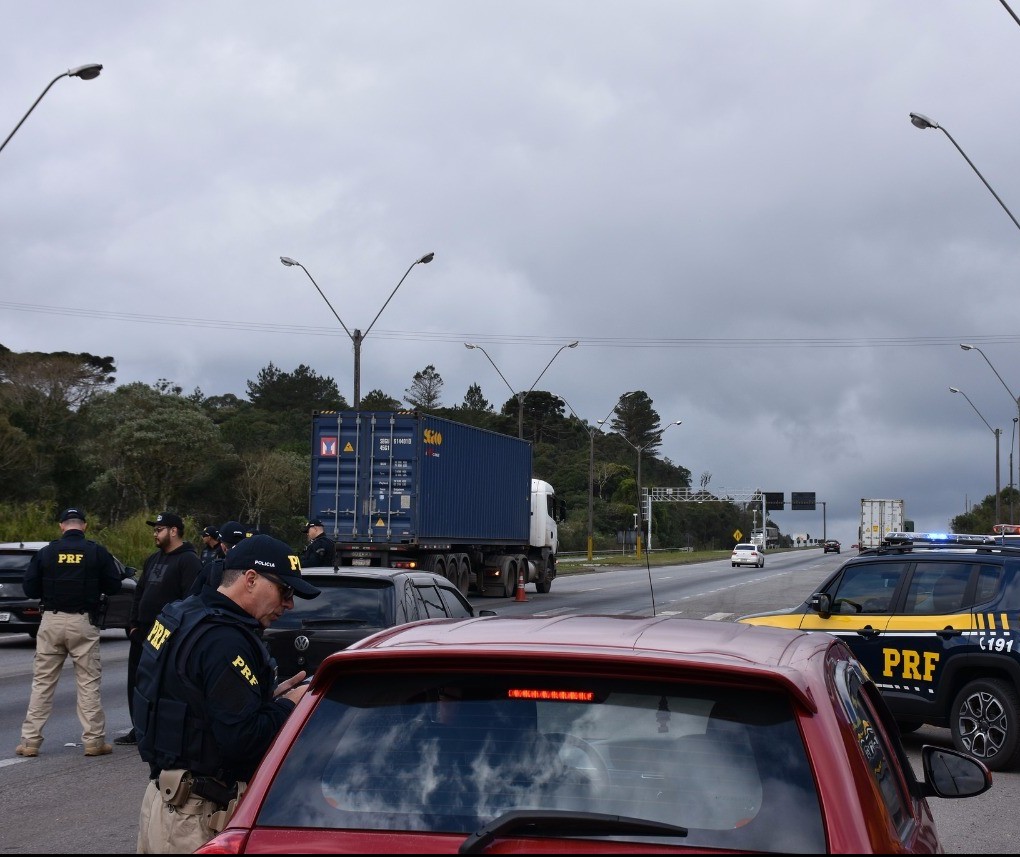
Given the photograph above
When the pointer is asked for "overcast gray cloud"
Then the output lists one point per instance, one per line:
(723, 200)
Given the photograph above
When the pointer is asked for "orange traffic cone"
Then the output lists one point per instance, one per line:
(520, 585)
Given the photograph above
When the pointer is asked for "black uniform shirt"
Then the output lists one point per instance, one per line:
(71, 573)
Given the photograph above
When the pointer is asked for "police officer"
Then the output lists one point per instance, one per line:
(321, 549)
(230, 534)
(167, 575)
(211, 549)
(69, 576)
(207, 705)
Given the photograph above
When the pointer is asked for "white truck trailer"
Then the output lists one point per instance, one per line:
(879, 517)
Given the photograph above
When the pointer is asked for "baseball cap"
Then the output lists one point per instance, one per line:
(168, 519)
(71, 514)
(212, 532)
(233, 532)
(315, 522)
(264, 553)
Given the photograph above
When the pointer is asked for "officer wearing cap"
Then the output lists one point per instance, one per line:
(211, 549)
(230, 534)
(69, 576)
(167, 575)
(207, 705)
(321, 549)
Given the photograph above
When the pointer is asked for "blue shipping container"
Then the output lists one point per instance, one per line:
(400, 477)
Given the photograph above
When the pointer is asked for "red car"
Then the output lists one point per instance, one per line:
(593, 734)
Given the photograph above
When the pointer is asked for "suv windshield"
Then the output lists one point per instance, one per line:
(442, 752)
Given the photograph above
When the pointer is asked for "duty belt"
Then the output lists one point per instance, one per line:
(214, 790)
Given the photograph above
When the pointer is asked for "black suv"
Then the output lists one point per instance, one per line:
(831, 546)
(935, 619)
(356, 602)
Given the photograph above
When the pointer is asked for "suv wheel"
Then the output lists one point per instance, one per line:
(984, 722)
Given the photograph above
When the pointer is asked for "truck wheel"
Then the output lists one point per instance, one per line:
(463, 580)
(439, 566)
(508, 567)
(545, 578)
(984, 722)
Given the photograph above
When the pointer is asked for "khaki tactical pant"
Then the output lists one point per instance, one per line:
(62, 635)
(173, 821)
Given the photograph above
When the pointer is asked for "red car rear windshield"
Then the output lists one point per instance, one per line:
(422, 752)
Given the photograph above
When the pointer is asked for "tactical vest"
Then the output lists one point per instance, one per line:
(168, 709)
(70, 575)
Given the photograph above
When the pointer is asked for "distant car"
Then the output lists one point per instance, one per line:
(356, 602)
(21, 615)
(747, 554)
(593, 734)
(831, 546)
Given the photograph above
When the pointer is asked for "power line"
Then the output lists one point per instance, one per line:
(513, 339)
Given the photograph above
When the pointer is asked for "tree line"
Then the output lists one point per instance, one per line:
(69, 435)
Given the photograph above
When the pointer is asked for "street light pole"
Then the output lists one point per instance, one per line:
(918, 120)
(357, 337)
(592, 431)
(997, 433)
(640, 449)
(83, 72)
(1016, 402)
(521, 396)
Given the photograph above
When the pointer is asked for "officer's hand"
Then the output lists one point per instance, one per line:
(285, 686)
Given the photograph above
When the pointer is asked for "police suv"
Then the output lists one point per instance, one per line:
(935, 619)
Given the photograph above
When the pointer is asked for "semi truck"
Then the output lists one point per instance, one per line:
(879, 517)
(767, 539)
(404, 489)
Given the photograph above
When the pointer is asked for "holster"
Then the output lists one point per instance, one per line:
(214, 790)
(219, 819)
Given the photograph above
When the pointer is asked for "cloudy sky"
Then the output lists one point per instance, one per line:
(723, 200)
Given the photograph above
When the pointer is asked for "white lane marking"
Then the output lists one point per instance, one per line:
(5, 762)
(716, 617)
(558, 611)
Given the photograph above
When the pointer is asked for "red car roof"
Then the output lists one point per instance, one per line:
(751, 651)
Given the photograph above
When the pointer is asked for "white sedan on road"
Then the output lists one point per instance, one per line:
(747, 554)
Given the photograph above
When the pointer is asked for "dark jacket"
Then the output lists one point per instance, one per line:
(320, 551)
(204, 690)
(165, 577)
(210, 554)
(71, 574)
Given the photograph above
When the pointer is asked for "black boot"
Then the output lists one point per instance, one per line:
(129, 738)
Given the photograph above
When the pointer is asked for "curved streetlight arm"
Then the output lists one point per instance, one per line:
(424, 260)
(967, 347)
(997, 433)
(471, 345)
(976, 411)
(85, 72)
(573, 344)
(293, 263)
(921, 121)
(1011, 12)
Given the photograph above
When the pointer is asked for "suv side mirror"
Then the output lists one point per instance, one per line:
(821, 603)
(127, 572)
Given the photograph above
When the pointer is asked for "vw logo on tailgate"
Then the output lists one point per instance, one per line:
(301, 643)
